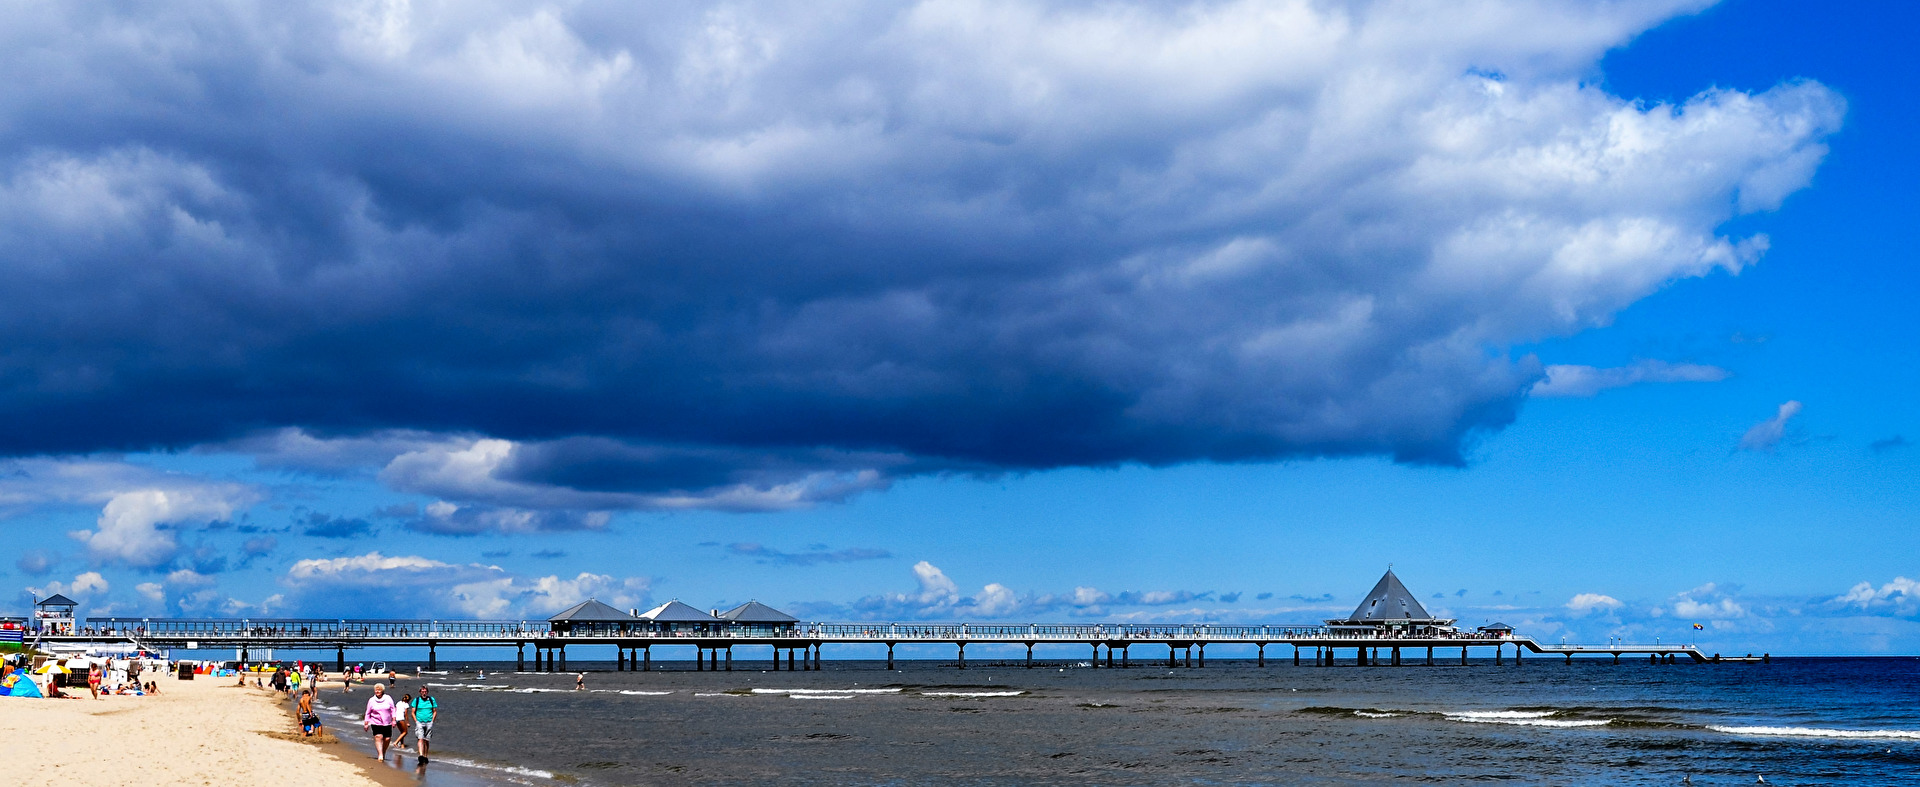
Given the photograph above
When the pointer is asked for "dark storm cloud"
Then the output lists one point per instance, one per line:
(758, 256)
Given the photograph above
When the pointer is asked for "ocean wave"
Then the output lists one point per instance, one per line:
(1535, 722)
(509, 769)
(640, 693)
(971, 693)
(1818, 732)
(1498, 715)
(826, 691)
(718, 694)
(821, 696)
(1365, 714)
(465, 685)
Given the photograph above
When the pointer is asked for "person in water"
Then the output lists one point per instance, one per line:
(379, 720)
(425, 708)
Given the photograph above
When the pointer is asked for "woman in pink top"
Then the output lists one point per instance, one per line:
(379, 719)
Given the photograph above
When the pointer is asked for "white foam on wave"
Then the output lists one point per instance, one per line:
(798, 692)
(641, 693)
(821, 696)
(1372, 715)
(464, 686)
(511, 769)
(717, 694)
(1495, 715)
(971, 693)
(1818, 732)
(1537, 722)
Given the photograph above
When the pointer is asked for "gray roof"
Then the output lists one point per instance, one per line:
(1496, 627)
(57, 600)
(676, 612)
(591, 611)
(756, 612)
(1390, 600)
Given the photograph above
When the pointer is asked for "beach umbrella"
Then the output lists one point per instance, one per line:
(51, 668)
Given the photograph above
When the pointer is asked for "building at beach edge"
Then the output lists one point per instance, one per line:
(1390, 610)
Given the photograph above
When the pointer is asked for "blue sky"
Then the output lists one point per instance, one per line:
(1590, 319)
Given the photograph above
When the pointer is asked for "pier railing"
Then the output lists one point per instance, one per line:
(373, 630)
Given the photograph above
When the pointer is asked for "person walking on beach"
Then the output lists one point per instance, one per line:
(425, 708)
(93, 680)
(379, 720)
(580, 682)
(401, 710)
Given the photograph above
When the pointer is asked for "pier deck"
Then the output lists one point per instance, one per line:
(803, 642)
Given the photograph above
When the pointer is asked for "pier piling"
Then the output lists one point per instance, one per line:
(890, 656)
(1029, 655)
(963, 655)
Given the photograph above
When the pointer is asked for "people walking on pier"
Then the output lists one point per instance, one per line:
(378, 720)
(425, 709)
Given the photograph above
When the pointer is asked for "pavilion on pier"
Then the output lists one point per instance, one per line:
(1391, 610)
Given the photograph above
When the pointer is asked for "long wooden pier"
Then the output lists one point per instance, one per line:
(1110, 645)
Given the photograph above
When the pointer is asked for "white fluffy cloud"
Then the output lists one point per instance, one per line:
(139, 506)
(414, 586)
(1589, 603)
(1767, 434)
(938, 597)
(1901, 596)
(1572, 380)
(131, 528)
(83, 587)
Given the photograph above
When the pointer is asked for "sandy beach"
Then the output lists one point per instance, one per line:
(199, 732)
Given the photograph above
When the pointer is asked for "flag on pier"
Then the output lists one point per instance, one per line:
(1698, 627)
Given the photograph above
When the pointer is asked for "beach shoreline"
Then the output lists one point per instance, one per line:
(196, 732)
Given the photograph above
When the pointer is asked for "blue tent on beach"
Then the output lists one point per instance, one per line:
(19, 684)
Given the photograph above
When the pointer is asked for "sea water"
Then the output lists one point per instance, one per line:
(1794, 721)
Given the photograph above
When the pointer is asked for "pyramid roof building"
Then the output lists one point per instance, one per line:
(676, 612)
(57, 600)
(1389, 602)
(756, 612)
(591, 611)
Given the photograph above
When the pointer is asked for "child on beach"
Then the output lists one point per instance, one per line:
(309, 721)
(400, 711)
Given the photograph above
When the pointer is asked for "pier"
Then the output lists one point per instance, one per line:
(803, 648)
(1389, 628)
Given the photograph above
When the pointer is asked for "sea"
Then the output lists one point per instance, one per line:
(1794, 721)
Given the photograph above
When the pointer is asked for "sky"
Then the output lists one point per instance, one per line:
(1593, 319)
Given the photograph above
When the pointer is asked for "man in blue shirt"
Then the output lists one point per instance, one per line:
(425, 708)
